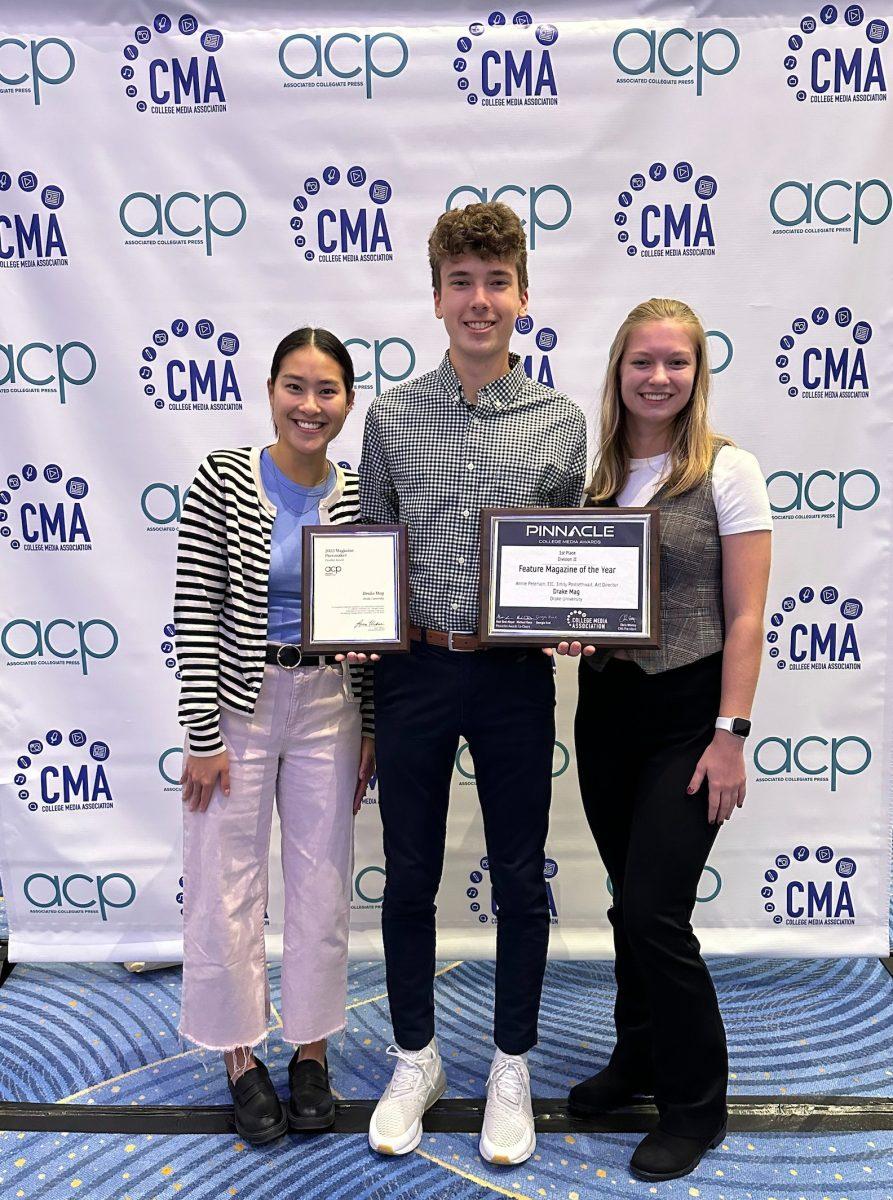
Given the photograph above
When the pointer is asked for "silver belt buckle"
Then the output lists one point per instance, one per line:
(288, 666)
(458, 649)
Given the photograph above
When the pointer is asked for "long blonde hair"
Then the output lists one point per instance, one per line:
(691, 450)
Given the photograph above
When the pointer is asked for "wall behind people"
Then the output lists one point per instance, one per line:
(180, 189)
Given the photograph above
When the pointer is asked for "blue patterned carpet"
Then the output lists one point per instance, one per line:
(100, 1035)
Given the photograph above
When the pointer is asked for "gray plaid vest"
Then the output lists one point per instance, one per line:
(691, 612)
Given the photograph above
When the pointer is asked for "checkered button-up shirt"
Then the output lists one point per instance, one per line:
(432, 461)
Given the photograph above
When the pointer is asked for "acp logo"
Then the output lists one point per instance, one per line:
(30, 231)
(350, 224)
(536, 352)
(26, 67)
(152, 219)
(811, 759)
(807, 208)
(561, 760)
(38, 367)
(380, 363)
(368, 887)
(542, 208)
(342, 60)
(834, 72)
(59, 641)
(487, 912)
(666, 221)
(71, 778)
(79, 894)
(676, 56)
(802, 888)
(168, 650)
(179, 74)
(186, 375)
(170, 768)
(33, 515)
(507, 62)
(803, 638)
(822, 495)
(828, 360)
(720, 349)
(162, 505)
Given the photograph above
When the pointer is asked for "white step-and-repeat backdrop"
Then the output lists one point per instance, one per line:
(180, 188)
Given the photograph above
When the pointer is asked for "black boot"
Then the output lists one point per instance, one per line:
(310, 1104)
(258, 1112)
(662, 1155)
(603, 1093)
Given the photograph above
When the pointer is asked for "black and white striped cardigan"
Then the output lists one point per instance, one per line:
(221, 599)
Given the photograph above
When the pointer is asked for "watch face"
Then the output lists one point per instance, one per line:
(740, 727)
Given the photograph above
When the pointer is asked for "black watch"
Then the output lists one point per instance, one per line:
(740, 726)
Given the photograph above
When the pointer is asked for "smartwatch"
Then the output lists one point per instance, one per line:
(740, 726)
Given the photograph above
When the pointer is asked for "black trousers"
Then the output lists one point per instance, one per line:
(503, 703)
(638, 740)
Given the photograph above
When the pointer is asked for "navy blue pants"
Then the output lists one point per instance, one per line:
(638, 740)
(502, 702)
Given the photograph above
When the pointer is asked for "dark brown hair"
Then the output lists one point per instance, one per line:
(487, 230)
(324, 341)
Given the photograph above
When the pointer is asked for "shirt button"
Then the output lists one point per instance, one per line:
(464, 512)
(471, 466)
(460, 560)
(454, 605)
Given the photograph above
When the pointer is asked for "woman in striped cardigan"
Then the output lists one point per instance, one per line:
(263, 720)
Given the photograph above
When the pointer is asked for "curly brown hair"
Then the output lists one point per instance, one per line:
(486, 230)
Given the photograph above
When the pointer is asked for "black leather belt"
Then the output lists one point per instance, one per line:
(290, 657)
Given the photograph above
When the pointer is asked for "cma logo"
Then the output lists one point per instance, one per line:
(656, 225)
(517, 74)
(835, 73)
(825, 760)
(162, 503)
(70, 787)
(489, 912)
(815, 640)
(152, 219)
(32, 234)
(49, 523)
(676, 55)
(805, 207)
(709, 885)
(186, 372)
(41, 366)
(347, 231)
(390, 360)
(97, 894)
(465, 765)
(48, 62)
(78, 642)
(537, 362)
(824, 371)
(368, 885)
(832, 494)
(542, 209)
(810, 901)
(178, 81)
(312, 60)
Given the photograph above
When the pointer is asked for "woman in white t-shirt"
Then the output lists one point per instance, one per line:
(660, 731)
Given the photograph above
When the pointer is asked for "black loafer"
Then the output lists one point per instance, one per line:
(310, 1105)
(603, 1093)
(661, 1156)
(257, 1109)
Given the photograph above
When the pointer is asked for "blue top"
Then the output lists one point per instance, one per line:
(296, 507)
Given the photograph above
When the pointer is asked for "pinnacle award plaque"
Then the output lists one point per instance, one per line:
(354, 589)
(589, 575)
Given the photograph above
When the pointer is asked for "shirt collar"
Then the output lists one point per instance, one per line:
(500, 393)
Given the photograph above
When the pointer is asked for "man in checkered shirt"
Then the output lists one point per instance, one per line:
(474, 433)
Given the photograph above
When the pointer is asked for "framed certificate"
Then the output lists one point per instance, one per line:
(570, 574)
(354, 589)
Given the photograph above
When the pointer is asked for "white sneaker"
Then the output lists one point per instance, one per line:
(508, 1135)
(417, 1083)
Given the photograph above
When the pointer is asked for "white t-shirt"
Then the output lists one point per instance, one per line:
(739, 490)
